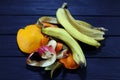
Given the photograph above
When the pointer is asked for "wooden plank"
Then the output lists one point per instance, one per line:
(45, 7)
(102, 63)
(8, 46)
(15, 68)
(109, 47)
(10, 24)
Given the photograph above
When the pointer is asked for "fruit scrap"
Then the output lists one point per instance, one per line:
(46, 52)
(30, 38)
(56, 45)
(45, 24)
(67, 22)
(47, 19)
(69, 62)
(64, 36)
(48, 55)
(59, 47)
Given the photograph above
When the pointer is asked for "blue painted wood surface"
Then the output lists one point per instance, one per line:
(102, 64)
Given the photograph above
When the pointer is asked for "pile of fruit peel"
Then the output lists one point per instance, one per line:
(55, 40)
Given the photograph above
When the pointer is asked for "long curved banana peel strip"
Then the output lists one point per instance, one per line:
(84, 27)
(63, 35)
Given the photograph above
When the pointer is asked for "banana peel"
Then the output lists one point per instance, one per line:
(84, 27)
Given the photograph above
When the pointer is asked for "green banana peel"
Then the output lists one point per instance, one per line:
(56, 66)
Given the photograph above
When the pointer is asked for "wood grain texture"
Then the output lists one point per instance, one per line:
(97, 69)
(11, 24)
(45, 7)
(102, 63)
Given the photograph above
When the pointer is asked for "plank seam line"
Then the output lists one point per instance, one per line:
(86, 57)
(12, 34)
(54, 15)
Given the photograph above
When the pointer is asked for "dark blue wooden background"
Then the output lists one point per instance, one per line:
(102, 64)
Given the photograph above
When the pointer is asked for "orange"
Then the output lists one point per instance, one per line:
(30, 38)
